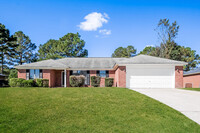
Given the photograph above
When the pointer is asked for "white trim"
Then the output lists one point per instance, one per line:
(152, 64)
(174, 77)
(62, 79)
(65, 78)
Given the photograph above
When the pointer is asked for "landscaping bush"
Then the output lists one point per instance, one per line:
(13, 82)
(20, 82)
(95, 81)
(13, 74)
(109, 82)
(77, 81)
(28, 83)
(39, 82)
(16, 82)
(45, 82)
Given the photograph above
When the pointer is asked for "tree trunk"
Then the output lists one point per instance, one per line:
(20, 59)
(2, 64)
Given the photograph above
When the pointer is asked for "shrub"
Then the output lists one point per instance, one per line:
(16, 82)
(13, 82)
(28, 83)
(13, 74)
(77, 81)
(20, 82)
(39, 82)
(95, 81)
(109, 82)
(45, 82)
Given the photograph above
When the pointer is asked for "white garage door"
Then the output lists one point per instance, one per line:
(148, 76)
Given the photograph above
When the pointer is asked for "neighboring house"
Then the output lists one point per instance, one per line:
(191, 79)
(141, 71)
(3, 77)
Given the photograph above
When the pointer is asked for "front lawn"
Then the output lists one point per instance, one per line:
(192, 89)
(87, 110)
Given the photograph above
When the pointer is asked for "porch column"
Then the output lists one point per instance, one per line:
(65, 78)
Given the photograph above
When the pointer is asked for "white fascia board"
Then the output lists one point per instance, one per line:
(151, 64)
(55, 68)
(90, 69)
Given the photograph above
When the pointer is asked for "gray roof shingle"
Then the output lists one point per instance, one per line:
(47, 64)
(194, 71)
(96, 63)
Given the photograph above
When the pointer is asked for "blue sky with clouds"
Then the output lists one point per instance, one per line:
(103, 24)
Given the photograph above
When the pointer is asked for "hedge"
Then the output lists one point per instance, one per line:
(39, 82)
(45, 82)
(77, 81)
(95, 81)
(28, 83)
(109, 82)
(17, 82)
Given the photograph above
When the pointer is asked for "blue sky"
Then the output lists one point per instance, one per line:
(108, 24)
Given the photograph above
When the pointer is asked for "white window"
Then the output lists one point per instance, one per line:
(102, 74)
(34, 73)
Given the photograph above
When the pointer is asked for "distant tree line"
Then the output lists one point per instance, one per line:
(18, 48)
(168, 48)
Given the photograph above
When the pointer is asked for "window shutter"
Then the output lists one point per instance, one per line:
(97, 73)
(27, 74)
(88, 77)
(41, 74)
(107, 74)
(71, 72)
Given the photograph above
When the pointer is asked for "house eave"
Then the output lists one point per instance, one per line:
(191, 74)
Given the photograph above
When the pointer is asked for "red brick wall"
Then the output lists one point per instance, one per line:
(102, 82)
(179, 77)
(22, 73)
(120, 76)
(193, 79)
(112, 75)
(54, 77)
(46, 75)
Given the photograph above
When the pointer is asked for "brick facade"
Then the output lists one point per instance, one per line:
(54, 77)
(179, 77)
(120, 77)
(193, 80)
(22, 73)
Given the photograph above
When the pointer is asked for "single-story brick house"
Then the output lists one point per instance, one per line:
(191, 79)
(141, 71)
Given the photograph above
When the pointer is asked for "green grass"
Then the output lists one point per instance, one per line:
(192, 89)
(87, 110)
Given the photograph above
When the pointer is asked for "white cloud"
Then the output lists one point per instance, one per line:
(105, 32)
(149, 46)
(93, 21)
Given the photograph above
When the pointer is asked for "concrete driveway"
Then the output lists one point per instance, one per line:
(185, 101)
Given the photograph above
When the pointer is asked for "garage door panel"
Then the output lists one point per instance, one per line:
(152, 77)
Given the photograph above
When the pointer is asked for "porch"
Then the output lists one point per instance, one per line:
(60, 78)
